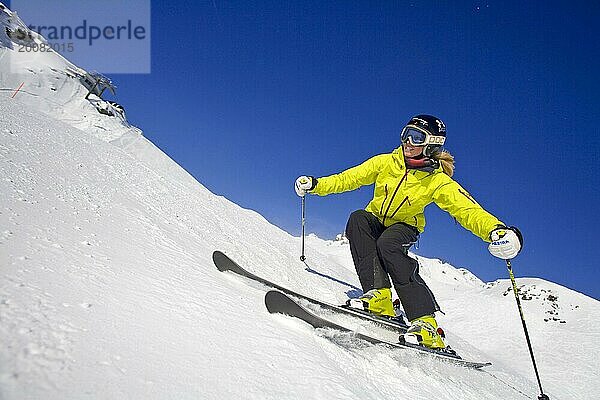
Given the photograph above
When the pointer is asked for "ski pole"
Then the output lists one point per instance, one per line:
(542, 396)
(302, 257)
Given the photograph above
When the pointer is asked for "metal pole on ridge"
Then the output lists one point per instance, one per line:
(302, 257)
(542, 396)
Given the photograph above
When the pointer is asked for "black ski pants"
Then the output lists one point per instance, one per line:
(378, 251)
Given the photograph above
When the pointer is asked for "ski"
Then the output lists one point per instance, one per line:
(224, 263)
(278, 302)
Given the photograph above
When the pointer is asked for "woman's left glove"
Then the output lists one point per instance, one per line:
(506, 242)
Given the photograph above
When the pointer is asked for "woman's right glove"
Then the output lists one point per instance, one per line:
(305, 184)
(506, 242)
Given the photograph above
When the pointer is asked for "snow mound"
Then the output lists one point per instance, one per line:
(51, 84)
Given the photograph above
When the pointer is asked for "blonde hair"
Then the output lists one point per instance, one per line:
(446, 161)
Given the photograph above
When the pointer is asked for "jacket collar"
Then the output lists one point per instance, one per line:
(399, 161)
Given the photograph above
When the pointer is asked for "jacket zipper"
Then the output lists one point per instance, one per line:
(467, 196)
(384, 199)
(394, 195)
(397, 208)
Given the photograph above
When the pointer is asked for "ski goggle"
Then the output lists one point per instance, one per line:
(419, 137)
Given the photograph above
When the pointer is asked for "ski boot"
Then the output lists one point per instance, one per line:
(424, 331)
(378, 302)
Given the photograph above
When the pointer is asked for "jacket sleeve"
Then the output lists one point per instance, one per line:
(352, 178)
(451, 197)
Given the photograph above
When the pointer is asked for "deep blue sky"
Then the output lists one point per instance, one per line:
(246, 96)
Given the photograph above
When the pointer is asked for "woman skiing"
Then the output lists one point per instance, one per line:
(414, 175)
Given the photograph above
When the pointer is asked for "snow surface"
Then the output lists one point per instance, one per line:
(108, 291)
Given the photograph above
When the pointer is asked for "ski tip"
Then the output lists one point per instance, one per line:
(219, 257)
(273, 297)
(221, 261)
(216, 254)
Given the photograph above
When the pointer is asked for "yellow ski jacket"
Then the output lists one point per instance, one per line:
(402, 194)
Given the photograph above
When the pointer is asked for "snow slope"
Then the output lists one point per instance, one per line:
(107, 288)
